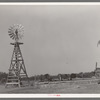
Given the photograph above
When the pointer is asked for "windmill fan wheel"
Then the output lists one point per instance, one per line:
(16, 32)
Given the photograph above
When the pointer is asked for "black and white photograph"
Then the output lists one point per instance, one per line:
(50, 48)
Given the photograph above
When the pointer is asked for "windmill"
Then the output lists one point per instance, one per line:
(17, 75)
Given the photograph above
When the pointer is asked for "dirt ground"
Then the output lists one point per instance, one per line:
(79, 87)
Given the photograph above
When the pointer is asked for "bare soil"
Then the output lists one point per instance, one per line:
(77, 86)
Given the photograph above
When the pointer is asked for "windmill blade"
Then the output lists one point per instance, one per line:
(9, 30)
(11, 27)
(21, 29)
(20, 26)
(14, 25)
(12, 36)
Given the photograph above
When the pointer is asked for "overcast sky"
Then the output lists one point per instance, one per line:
(57, 39)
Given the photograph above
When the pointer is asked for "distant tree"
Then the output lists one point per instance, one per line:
(47, 77)
(69, 76)
(89, 74)
(37, 77)
(42, 78)
(32, 78)
(3, 80)
(3, 77)
(73, 75)
(66, 76)
(80, 75)
(61, 77)
(92, 73)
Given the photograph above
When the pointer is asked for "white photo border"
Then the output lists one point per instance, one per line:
(49, 95)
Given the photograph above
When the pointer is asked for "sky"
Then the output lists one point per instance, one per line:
(57, 38)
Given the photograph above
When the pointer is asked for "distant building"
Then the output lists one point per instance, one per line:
(97, 71)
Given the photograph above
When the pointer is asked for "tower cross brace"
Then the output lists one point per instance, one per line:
(17, 72)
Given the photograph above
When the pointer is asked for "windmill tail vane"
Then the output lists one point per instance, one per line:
(98, 43)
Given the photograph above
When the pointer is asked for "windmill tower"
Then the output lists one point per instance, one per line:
(17, 75)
